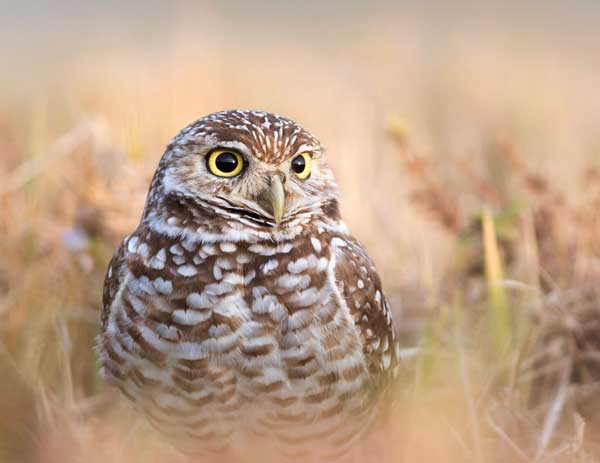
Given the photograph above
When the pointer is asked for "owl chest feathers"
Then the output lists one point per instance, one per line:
(264, 318)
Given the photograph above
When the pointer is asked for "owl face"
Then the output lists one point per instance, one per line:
(251, 166)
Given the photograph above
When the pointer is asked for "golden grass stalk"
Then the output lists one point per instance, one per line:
(500, 323)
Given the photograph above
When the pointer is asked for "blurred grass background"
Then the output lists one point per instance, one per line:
(466, 142)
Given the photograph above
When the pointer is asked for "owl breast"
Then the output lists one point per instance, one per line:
(221, 342)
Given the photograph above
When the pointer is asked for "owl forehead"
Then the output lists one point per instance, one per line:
(269, 137)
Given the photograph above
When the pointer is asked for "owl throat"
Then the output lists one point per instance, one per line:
(180, 216)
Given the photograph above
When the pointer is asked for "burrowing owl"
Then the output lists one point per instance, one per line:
(241, 309)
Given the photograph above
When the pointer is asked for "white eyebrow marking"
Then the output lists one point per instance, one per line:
(241, 147)
(305, 147)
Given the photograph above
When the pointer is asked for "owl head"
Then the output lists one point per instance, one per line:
(245, 169)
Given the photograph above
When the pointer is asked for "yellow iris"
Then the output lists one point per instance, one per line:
(225, 163)
(301, 165)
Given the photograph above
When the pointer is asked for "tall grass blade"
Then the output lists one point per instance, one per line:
(499, 312)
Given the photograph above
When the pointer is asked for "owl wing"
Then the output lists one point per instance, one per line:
(113, 280)
(360, 287)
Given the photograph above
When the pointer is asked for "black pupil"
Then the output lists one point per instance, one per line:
(298, 164)
(226, 162)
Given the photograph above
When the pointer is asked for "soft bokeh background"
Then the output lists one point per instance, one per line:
(465, 138)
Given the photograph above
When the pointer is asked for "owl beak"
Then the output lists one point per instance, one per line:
(273, 199)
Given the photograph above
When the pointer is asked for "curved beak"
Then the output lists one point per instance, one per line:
(273, 199)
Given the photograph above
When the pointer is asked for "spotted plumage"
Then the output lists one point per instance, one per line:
(241, 313)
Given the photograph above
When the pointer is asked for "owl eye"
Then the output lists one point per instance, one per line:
(224, 163)
(301, 165)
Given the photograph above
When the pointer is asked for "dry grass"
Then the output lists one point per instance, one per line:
(472, 177)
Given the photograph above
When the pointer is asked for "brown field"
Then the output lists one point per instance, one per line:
(467, 147)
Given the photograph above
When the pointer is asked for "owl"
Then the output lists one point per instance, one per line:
(241, 313)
